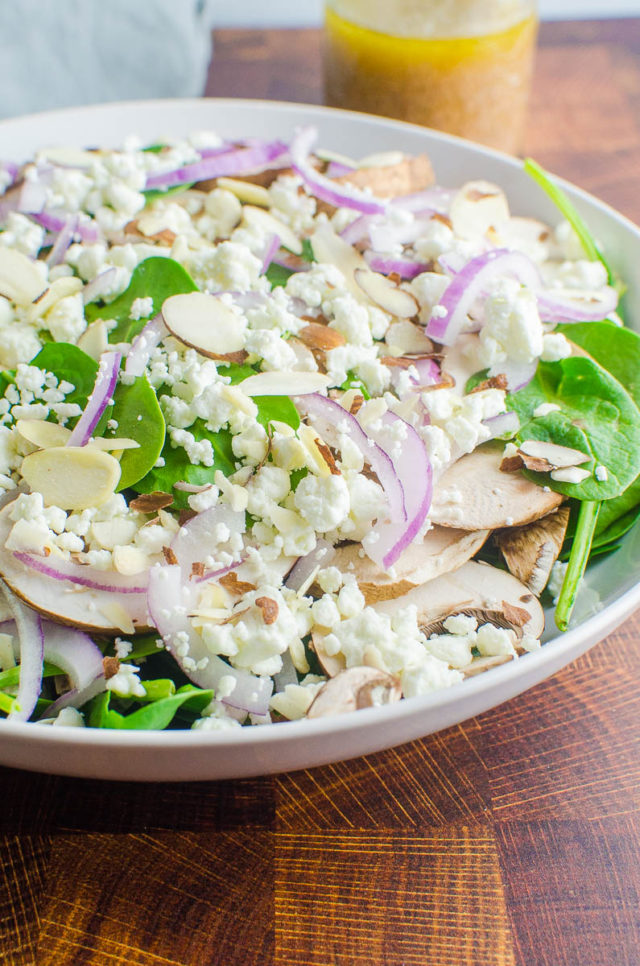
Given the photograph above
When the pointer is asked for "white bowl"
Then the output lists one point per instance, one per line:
(612, 592)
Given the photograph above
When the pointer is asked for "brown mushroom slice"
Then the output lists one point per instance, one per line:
(69, 603)
(481, 664)
(355, 688)
(490, 595)
(531, 551)
(474, 494)
(441, 551)
(331, 664)
(393, 180)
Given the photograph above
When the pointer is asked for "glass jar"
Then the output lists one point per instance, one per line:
(463, 66)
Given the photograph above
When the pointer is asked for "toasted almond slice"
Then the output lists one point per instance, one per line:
(205, 323)
(287, 383)
(556, 455)
(386, 294)
(478, 206)
(331, 249)
(62, 287)
(43, 434)
(570, 474)
(251, 194)
(20, 279)
(382, 159)
(317, 336)
(94, 340)
(130, 560)
(406, 338)
(267, 221)
(113, 443)
(72, 477)
(68, 157)
(269, 608)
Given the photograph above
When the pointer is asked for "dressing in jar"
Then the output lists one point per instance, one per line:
(462, 66)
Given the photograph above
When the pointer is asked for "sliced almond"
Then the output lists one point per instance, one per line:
(329, 248)
(119, 531)
(72, 477)
(570, 474)
(109, 444)
(477, 207)
(251, 194)
(205, 323)
(110, 666)
(284, 383)
(130, 560)
(317, 336)
(386, 294)
(406, 338)
(20, 279)
(151, 502)
(558, 456)
(42, 434)
(95, 339)
(59, 289)
(234, 585)
(269, 608)
(68, 157)
(268, 222)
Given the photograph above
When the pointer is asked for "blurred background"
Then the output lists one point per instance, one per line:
(57, 53)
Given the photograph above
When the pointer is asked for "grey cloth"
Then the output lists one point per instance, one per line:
(57, 53)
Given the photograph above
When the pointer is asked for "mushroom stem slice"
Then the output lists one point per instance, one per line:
(531, 551)
(355, 688)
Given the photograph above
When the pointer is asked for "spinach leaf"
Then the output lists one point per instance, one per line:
(177, 465)
(152, 193)
(276, 407)
(139, 417)
(157, 277)
(68, 362)
(597, 416)
(616, 348)
(307, 251)
(153, 717)
(278, 275)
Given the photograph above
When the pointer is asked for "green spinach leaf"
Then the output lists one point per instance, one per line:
(597, 416)
(154, 716)
(68, 362)
(157, 277)
(139, 417)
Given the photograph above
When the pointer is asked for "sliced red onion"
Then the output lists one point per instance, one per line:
(504, 424)
(62, 242)
(197, 539)
(84, 228)
(329, 418)
(340, 196)
(84, 575)
(10, 168)
(143, 345)
(99, 286)
(406, 268)
(470, 283)
(389, 539)
(31, 640)
(337, 169)
(555, 309)
(305, 566)
(81, 660)
(99, 399)
(357, 230)
(170, 601)
(518, 374)
(227, 164)
(273, 244)
(33, 196)
(435, 200)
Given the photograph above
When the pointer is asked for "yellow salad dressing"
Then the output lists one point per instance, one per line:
(469, 75)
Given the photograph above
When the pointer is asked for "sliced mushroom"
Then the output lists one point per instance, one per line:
(490, 595)
(531, 551)
(474, 493)
(331, 664)
(441, 551)
(66, 602)
(392, 180)
(481, 664)
(355, 688)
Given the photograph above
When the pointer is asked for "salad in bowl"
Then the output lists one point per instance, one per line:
(285, 434)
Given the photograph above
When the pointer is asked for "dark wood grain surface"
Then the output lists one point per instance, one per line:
(511, 840)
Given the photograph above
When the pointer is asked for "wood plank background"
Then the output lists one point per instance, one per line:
(511, 840)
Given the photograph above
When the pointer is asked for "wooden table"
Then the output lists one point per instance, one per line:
(511, 839)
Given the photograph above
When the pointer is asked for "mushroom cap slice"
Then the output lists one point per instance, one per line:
(442, 550)
(531, 551)
(490, 595)
(393, 180)
(475, 494)
(355, 688)
(69, 603)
